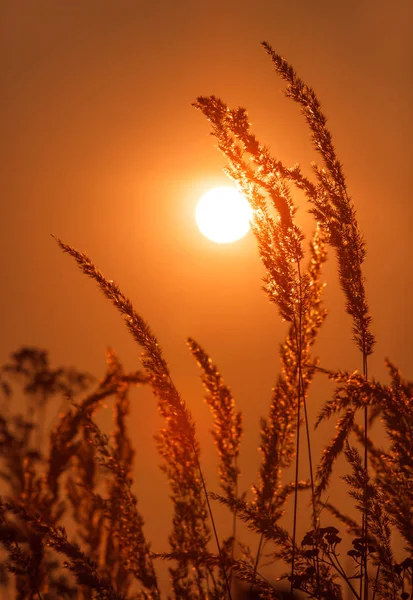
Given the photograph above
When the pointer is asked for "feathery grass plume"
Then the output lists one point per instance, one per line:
(278, 430)
(31, 368)
(84, 569)
(63, 444)
(259, 520)
(243, 570)
(353, 392)
(177, 443)
(397, 417)
(353, 389)
(394, 473)
(115, 556)
(261, 587)
(389, 490)
(190, 529)
(152, 358)
(23, 466)
(337, 214)
(380, 530)
(318, 581)
(81, 484)
(227, 422)
(19, 472)
(122, 445)
(379, 459)
(269, 515)
(124, 455)
(40, 493)
(334, 209)
(344, 427)
(279, 240)
(227, 428)
(378, 544)
(24, 564)
(128, 530)
(19, 562)
(31, 500)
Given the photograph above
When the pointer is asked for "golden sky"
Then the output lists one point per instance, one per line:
(100, 146)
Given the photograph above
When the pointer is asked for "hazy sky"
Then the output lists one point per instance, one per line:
(100, 146)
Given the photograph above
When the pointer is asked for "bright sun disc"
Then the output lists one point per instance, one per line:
(223, 215)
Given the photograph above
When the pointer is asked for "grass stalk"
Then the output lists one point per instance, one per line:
(234, 520)
(17, 546)
(301, 397)
(366, 467)
(380, 481)
(375, 582)
(211, 516)
(298, 336)
(339, 569)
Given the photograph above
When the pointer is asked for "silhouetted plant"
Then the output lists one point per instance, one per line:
(77, 475)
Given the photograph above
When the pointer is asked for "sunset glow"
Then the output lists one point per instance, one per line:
(223, 215)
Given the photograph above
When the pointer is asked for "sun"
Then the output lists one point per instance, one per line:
(223, 215)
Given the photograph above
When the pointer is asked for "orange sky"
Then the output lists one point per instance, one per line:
(102, 147)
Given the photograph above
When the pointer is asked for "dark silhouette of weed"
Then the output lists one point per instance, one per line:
(56, 476)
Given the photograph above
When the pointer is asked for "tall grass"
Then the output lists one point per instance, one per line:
(79, 475)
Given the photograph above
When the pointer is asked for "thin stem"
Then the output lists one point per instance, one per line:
(261, 542)
(307, 429)
(301, 395)
(234, 520)
(365, 522)
(315, 520)
(298, 337)
(211, 573)
(270, 585)
(221, 558)
(338, 567)
(211, 516)
(257, 560)
(296, 467)
(315, 523)
(361, 562)
(375, 582)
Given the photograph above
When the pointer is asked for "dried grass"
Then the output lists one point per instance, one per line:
(76, 473)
